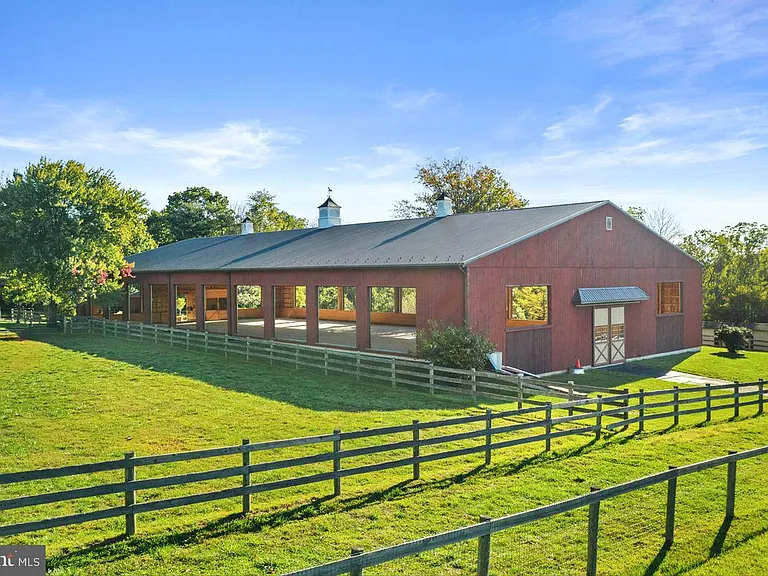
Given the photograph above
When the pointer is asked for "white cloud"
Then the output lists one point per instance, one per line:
(385, 161)
(688, 36)
(411, 100)
(55, 128)
(580, 118)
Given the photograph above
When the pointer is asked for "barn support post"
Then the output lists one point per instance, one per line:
(313, 315)
(200, 307)
(268, 308)
(363, 316)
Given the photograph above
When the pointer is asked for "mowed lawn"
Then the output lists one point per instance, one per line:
(67, 400)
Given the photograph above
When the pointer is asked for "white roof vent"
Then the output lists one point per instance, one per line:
(444, 206)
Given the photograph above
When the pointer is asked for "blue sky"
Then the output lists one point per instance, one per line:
(644, 103)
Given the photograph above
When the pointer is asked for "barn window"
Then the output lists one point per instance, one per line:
(609, 222)
(527, 306)
(669, 297)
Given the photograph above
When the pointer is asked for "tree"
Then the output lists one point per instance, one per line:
(472, 188)
(192, 213)
(263, 211)
(65, 232)
(660, 220)
(735, 278)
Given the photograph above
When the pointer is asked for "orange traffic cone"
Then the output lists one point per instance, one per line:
(578, 363)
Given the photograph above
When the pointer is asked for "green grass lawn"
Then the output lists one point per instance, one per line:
(66, 400)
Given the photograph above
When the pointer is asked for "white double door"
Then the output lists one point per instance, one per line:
(608, 335)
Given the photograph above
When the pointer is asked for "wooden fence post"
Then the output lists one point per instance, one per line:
(336, 463)
(676, 407)
(519, 392)
(416, 463)
(357, 366)
(325, 361)
(736, 399)
(431, 378)
(130, 495)
(760, 397)
(246, 477)
(669, 532)
(641, 411)
(599, 417)
(226, 345)
(548, 427)
(488, 433)
(484, 551)
(594, 522)
(155, 327)
(570, 396)
(626, 412)
(248, 349)
(730, 490)
(206, 340)
(271, 350)
(356, 571)
(393, 368)
(708, 399)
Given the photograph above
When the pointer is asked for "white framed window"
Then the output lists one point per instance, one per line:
(609, 222)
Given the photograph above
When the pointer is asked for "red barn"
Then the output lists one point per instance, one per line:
(551, 285)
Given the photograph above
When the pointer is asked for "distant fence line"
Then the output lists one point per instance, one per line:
(544, 424)
(758, 341)
(394, 370)
(482, 532)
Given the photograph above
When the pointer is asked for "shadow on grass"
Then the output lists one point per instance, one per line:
(730, 355)
(657, 560)
(719, 542)
(300, 387)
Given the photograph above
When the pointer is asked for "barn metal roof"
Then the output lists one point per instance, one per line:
(417, 242)
(613, 295)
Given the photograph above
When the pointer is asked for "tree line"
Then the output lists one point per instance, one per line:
(66, 232)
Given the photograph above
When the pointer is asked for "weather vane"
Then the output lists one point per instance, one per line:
(329, 191)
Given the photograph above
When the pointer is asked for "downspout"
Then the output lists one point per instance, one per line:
(465, 308)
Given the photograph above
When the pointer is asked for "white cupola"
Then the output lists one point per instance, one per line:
(444, 206)
(246, 226)
(330, 213)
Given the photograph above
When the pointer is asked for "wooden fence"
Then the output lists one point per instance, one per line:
(394, 370)
(489, 432)
(483, 530)
(759, 340)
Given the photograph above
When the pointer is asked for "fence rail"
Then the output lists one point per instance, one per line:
(394, 370)
(526, 425)
(482, 531)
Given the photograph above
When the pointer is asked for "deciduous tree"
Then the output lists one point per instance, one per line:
(65, 232)
(266, 216)
(735, 278)
(192, 213)
(471, 188)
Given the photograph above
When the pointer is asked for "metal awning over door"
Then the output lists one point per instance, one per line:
(607, 296)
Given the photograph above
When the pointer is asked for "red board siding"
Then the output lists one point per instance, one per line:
(582, 254)
(439, 291)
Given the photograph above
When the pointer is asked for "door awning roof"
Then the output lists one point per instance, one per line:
(613, 295)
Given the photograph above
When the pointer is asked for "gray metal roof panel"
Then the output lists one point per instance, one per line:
(611, 295)
(419, 242)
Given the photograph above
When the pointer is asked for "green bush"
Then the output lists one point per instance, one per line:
(453, 346)
(733, 337)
